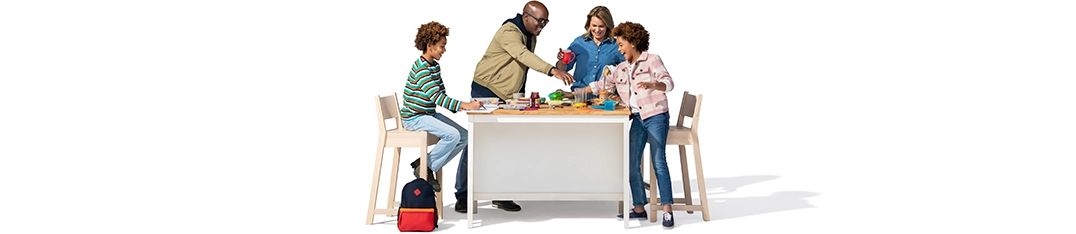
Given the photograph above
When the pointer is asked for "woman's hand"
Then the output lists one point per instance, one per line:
(566, 94)
(586, 89)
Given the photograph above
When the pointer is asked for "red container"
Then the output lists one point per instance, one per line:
(534, 100)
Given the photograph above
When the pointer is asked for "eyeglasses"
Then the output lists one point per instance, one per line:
(542, 22)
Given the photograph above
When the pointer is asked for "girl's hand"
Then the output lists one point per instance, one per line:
(648, 85)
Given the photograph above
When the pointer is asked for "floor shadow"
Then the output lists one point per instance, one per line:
(720, 208)
(735, 207)
(443, 226)
(534, 211)
(722, 185)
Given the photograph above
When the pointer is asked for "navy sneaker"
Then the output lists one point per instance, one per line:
(633, 215)
(667, 220)
(433, 181)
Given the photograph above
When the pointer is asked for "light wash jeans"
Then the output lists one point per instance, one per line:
(453, 137)
(655, 129)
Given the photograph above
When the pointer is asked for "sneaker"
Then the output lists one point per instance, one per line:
(414, 164)
(632, 215)
(507, 205)
(667, 220)
(461, 206)
(432, 180)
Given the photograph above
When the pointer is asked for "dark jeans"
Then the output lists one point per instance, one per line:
(477, 91)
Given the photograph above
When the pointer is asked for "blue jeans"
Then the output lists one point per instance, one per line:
(453, 137)
(656, 130)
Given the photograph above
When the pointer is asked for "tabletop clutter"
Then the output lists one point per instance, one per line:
(606, 100)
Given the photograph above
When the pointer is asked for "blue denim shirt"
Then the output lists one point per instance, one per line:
(591, 58)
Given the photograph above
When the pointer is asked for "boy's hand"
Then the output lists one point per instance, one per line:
(472, 105)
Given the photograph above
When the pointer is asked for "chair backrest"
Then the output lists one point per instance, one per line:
(388, 108)
(690, 106)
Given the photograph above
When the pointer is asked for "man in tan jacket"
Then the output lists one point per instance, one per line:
(503, 71)
(504, 67)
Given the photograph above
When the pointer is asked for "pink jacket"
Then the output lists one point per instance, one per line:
(649, 68)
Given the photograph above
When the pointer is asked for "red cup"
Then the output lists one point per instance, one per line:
(567, 56)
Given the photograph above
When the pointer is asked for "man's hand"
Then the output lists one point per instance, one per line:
(472, 105)
(563, 76)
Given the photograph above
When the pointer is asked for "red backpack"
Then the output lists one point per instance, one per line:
(418, 207)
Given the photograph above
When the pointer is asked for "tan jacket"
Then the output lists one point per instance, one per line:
(504, 65)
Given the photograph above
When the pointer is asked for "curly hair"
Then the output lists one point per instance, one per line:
(429, 33)
(633, 33)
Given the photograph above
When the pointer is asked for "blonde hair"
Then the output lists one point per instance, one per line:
(602, 13)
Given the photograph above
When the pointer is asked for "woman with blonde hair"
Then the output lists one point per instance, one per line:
(594, 50)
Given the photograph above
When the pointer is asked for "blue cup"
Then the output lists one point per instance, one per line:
(610, 105)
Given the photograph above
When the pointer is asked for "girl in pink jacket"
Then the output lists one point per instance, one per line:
(642, 81)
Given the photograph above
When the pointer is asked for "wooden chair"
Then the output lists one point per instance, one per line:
(680, 135)
(397, 138)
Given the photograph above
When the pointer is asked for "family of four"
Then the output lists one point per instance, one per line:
(640, 79)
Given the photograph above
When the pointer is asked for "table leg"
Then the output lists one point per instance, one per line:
(471, 206)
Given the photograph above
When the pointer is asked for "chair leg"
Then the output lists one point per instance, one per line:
(393, 178)
(702, 180)
(687, 178)
(422, 163)
(440, 199)
(377, 178)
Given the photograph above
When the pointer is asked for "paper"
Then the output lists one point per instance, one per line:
(487, 110)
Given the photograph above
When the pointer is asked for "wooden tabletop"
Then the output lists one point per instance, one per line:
(620, 110)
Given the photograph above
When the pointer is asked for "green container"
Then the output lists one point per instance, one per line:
(556, 95)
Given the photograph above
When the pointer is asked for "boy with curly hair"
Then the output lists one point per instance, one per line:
(422, 95)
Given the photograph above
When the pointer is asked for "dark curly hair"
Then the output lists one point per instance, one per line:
(429, 33)
(633, 33)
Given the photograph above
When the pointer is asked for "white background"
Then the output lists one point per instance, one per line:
(257, 117)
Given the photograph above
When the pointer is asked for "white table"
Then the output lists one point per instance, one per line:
(518, 155)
